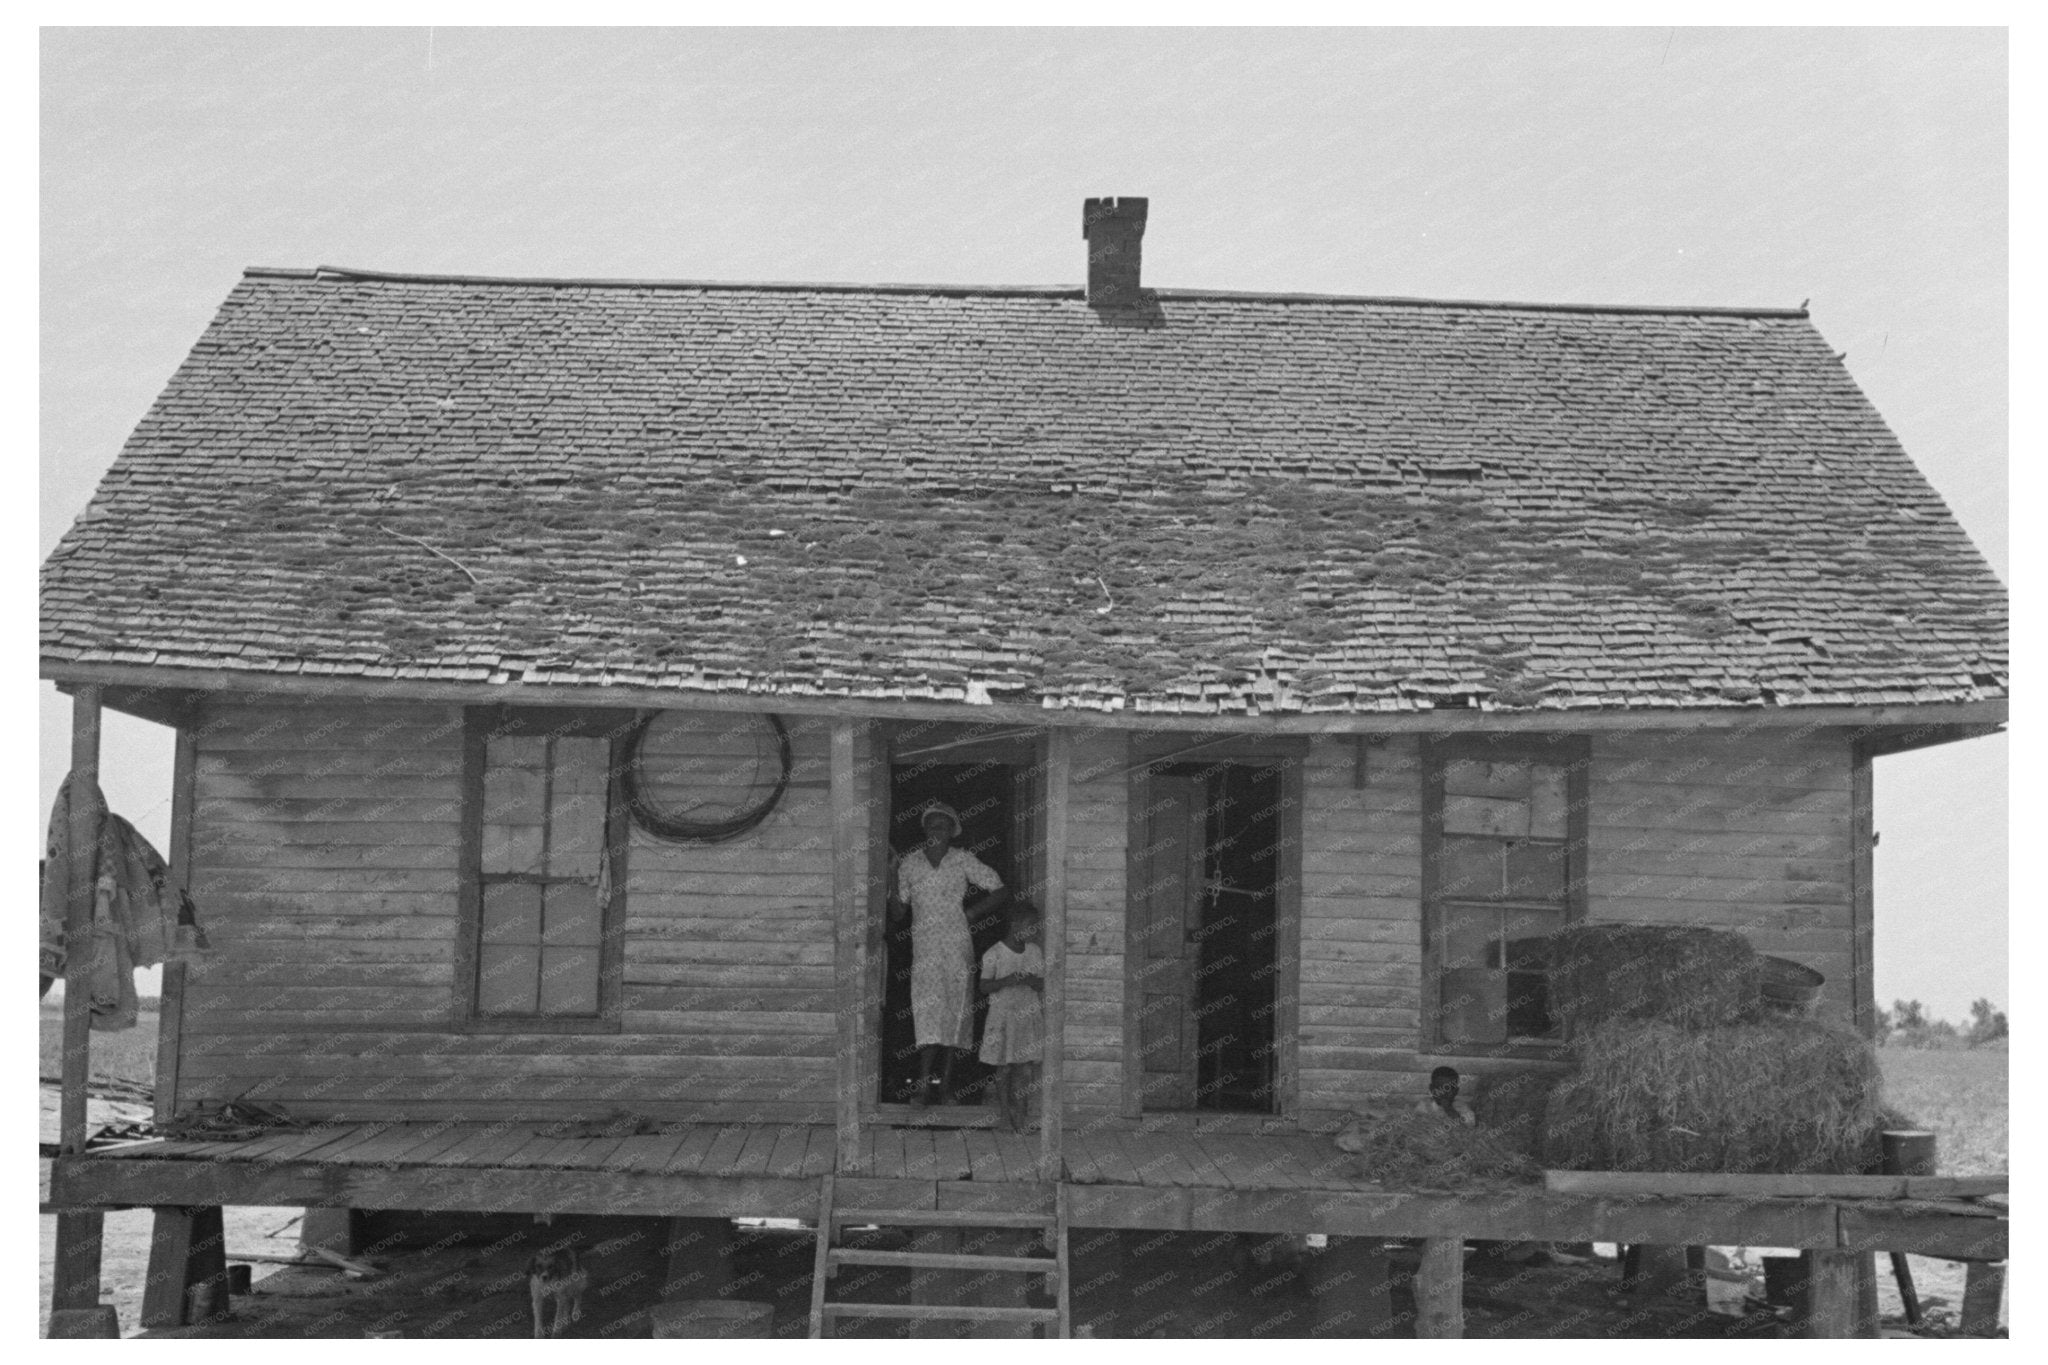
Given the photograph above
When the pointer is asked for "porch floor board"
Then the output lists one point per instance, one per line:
(821, 1155)
(648, 1152)
(689, 1158)
(1019, 1153)
(796, 1152)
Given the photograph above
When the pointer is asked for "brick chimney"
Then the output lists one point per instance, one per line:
(1115, 229)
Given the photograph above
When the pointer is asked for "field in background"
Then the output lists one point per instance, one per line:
(129, 1055)
(1960, 1095)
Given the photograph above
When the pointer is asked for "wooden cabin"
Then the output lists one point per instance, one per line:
(1302, 657)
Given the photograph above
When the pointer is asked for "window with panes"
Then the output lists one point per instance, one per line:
(546, 885)
(1504, 849)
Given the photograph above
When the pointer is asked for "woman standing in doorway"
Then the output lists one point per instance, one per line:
(932, 882)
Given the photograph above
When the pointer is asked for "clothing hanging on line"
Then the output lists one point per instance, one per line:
(139, 919)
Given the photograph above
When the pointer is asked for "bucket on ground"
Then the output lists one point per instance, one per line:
(712, 1318)
(1908, 1151)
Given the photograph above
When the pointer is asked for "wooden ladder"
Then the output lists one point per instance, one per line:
(1054, 1321)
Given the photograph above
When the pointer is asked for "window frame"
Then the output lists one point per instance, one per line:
(480, 723)
(1575, 752)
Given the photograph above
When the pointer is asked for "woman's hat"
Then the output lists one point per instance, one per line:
(940, 808)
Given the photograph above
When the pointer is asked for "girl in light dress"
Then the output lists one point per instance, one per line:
(1013, 1037)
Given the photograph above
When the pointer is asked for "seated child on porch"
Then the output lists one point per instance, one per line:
(1013, 1039)
(1443, 1098)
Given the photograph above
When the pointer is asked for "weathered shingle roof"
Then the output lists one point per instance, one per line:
(1216, 504)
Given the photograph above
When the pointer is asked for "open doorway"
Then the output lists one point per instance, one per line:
(989, 797)
(1204, 937)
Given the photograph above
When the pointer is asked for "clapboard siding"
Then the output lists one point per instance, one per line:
(1361, 905)
(1097, 821)
(1747, 835)
(325, 856)
(325, 861)
(1733, 833)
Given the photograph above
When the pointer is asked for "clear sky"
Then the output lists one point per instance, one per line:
(1863, 169)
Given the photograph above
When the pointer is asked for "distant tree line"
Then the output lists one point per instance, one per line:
(1906, 1024)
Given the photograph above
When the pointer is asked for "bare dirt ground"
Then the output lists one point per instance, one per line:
(1188, 1286)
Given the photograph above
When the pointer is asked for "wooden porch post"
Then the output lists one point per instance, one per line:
(849, 915)
(1862, 891)
(171, 1005)
(1059, 779)
(84, 834)
(75, 1283)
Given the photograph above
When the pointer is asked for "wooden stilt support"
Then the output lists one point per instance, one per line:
(1440, 1288)
(186, 1249)
(339, 1230)
(1983, 1295)
(1831, 1293)
(1866, 1295)
(75, 1282)
(1909, 1297)
(81, 1324)
(343, 1231)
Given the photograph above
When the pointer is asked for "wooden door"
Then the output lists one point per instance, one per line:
(1165, 918)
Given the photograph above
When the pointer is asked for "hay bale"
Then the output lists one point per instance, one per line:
(1420, 1150)
(1512, 1108)
(1686, 976)
(1786, 1095)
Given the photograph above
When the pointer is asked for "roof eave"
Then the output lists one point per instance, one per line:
(332, 688)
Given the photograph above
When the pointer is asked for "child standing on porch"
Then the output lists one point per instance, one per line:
(1013, 1039)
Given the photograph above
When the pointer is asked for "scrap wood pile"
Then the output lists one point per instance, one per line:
(1678, 1065)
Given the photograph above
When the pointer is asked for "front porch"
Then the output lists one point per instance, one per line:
(1185, 1181)
(1121, 1178)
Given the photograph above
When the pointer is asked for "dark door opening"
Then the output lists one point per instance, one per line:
(985, 794)
(1204, 933)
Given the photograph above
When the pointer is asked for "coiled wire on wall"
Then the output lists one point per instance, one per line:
(674, 830)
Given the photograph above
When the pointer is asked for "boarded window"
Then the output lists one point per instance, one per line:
(1502, 846)
(545, 876)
